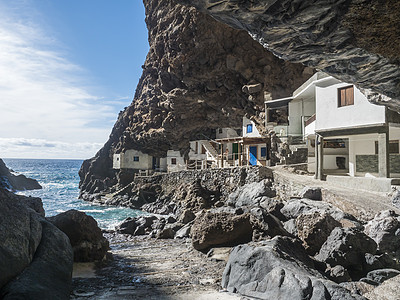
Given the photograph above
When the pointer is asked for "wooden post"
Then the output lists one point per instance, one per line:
(240, 153)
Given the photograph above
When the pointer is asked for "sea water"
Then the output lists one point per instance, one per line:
(59, 179)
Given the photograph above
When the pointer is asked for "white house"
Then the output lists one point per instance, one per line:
(345, 133)
(254, 144)
(139, 161)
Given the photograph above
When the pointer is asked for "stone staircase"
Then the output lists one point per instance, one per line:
(211, 150)
(297, 155)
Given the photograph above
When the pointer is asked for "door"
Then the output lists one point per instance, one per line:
(253, 155)
(235, 151)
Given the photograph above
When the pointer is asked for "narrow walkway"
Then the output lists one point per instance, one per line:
(146, 268)
(360, 203)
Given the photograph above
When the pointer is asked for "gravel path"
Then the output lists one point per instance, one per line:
(147, 268)
(360, 203)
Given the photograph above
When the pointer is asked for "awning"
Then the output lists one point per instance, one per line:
(278, 103)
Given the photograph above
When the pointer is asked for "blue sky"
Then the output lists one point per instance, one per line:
(67, 67)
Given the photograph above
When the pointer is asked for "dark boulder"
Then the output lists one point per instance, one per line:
(220, 229)
(85, 236)
(20, 235)
(312, 193)
(16, 182)
(266, 225)
(251, 194)
(380, 261)
(278, 269)
(347, 247)
(186, 216)
(314, 228)
(384, 229)
(295, 207)
(49, 274)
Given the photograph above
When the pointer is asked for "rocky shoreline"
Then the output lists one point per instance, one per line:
(313, 247)
(221, 234)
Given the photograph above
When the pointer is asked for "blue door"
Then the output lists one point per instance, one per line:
(253, 155)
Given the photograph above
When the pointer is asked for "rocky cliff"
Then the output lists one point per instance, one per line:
(191, 84)
(13, 182)
(356, 41)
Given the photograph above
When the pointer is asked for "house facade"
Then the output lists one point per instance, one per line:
(139, 162)
(344, 132)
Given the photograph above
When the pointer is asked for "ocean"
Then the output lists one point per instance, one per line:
(59, 179)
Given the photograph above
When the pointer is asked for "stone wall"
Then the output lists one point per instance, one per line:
(369, 163)
(225, 180)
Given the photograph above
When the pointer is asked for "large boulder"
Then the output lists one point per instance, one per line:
(278, 269)
(220, 229)
(295, 207)
(389, 290)
(312, 193)
(314, 228)
(49, 274)
(384, 229)
(20, 235)
(347, 247)
(251, 194)
(85, 236)
(266, 225)
(137, 226)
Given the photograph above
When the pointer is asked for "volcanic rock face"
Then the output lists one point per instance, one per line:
(356, 41)
(191, 84)
(10, 181)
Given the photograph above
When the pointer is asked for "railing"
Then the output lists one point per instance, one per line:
(310, 120)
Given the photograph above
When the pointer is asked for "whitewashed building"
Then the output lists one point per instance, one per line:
(345, 133)
(139, 161)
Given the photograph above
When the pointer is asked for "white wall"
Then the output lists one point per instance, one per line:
(163, 164)
(117, 161)
(180, 162)
(126, 160)
(195, 152)
(255, 132)
(299, 108)
(226, 133)
(330, 116)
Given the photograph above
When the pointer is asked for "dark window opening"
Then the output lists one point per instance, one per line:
(136, 158)
(220, 130)
(173, 161)
(336, 143)
(263, 151)
(346, 96)
(393, 147)
(279, 115)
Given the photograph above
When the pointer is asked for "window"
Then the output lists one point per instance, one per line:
(136, 158)
(263, 151)
(393, 147)
(249, 128)
(173, 161)
(220, 130)
(346, 96)
(117, 158)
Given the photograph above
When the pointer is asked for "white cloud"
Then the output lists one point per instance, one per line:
(40, 148)
(44, 96)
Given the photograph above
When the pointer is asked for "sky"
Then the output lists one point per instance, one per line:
(67, 67)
